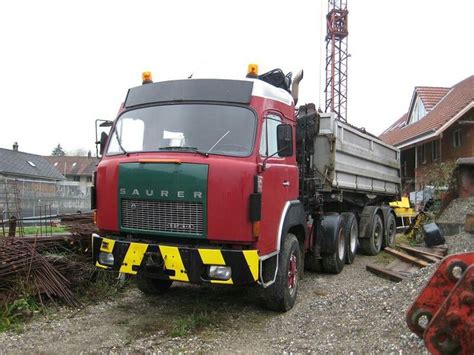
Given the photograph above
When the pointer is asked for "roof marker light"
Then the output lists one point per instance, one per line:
(146, 77)
(252, 71)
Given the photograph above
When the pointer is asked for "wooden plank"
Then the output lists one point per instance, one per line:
(385, 273)
(406, 257)
(442, 250)
(434, 250)
(429, 257)
(402, 267)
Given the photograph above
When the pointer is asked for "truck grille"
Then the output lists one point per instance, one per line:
(163, 216)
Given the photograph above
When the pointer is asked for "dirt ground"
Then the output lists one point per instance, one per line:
(330, 315)
(354, 311)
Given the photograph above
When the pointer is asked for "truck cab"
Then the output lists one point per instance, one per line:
(199, 183)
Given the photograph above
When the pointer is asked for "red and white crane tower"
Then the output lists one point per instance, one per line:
(336, 58)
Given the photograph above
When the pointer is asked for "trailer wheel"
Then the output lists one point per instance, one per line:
(351, 233)
(390, 231)
(151, 286)
(281, 295)
(373, 244)
(333, 263)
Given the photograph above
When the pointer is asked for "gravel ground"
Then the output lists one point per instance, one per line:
(354, 311)
(457, 210)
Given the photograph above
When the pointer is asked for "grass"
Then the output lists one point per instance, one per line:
(36, 230)
(385, 258)
(102, 285)
(13, 315)
(191, 324)
(402, 238)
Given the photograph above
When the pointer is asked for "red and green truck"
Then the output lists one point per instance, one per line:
(229, 182)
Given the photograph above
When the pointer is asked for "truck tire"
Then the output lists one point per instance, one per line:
(390, 231)
(373, 244)
(281, 295)
(333, 263)
(351, 233)
(150, 286)
(312, 263)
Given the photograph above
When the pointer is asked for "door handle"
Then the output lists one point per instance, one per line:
(286, 183)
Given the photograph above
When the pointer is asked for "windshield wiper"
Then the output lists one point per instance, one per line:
(218, 141)
(178, 148)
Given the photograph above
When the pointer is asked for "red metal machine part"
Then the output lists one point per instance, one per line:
(443, 313)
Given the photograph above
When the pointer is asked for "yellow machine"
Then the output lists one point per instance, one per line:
(404, 212)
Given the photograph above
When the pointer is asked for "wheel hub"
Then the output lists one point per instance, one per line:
(292, 273)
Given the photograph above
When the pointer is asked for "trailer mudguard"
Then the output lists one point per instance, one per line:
(329, 226)
(366, 218)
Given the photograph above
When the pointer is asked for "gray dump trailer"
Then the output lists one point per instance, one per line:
(350, 174)
(350, 159)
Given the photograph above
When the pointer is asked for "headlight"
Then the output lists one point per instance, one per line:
(106, 259)
(219, 272)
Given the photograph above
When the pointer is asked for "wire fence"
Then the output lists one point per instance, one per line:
(38, 198)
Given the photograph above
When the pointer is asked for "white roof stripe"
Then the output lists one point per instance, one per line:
(268, 91)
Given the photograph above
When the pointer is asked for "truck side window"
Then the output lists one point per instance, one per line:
(268, 141)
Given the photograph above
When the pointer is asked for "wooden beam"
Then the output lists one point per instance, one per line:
(406, 257)
(424, 255)
(385, 273)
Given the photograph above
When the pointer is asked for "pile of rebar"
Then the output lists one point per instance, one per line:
(22, 266)
(79, 224)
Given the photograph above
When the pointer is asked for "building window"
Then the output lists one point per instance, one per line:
(418, 111)
(421, 154)
(457, 138)
(434, 150)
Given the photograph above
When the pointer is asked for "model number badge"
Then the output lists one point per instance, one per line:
(181, 226)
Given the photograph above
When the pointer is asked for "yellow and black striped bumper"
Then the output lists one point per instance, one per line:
(177, 263)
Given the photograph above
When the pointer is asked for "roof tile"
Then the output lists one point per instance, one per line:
(453, 102)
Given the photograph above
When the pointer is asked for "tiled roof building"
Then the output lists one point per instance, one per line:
(438, 127)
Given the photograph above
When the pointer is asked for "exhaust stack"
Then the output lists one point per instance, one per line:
(295, 85)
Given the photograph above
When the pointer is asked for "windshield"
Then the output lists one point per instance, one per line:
(213, 129)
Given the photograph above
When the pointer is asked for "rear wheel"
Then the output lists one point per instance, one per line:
(390, 231)
(281, 295)
(373, 243)
(333, 263)
(351, 233)
(151, 286)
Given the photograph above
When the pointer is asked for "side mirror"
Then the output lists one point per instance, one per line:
(285, 140)
(103, 141)
(100, 144)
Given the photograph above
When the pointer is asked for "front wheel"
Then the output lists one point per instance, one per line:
(151, 286)
(281, 295)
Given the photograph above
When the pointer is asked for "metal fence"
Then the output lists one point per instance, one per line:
(34, 197)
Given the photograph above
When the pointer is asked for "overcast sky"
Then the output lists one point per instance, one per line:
(65, 64)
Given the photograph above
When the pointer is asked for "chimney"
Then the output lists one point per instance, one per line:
(15, 146)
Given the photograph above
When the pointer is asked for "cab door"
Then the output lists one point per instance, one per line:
(276, 184)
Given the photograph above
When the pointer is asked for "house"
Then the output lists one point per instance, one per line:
(28, 182)
(437, 129)
(76, 168)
